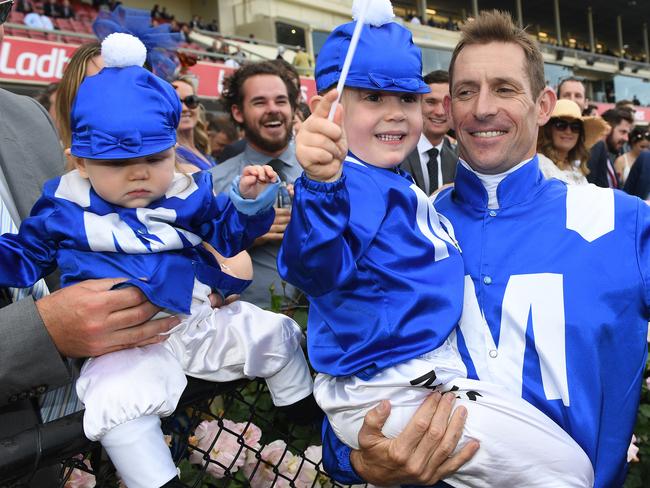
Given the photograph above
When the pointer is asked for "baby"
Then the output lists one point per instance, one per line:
(126, 212)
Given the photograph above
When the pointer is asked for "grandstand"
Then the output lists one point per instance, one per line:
(604, 44)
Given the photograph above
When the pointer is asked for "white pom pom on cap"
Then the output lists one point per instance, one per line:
(120, 50)
(378, 13)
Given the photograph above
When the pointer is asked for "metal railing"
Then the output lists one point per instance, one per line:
(265, 449)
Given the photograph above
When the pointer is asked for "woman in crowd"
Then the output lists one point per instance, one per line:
(192, 134)
(639, 141)
(563, 143)
(86, 61)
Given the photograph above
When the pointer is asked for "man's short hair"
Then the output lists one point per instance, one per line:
(615, 116)
(437, 76)
(497, 26)
(564, 80)
(223, 123)
(232, 86)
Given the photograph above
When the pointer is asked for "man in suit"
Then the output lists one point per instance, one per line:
(604, 153)
(261, 99)
(433, 162)
(86, 319)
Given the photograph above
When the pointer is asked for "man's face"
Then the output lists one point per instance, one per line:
(435, 120)
(575, 91)
(618, 136)
(265, 113)
(493, 110)
(218, 141)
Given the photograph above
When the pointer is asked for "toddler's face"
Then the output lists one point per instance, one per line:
(130, 183)
(382, 128)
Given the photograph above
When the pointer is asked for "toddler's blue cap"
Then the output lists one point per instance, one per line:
(124, 112)
(386, 59)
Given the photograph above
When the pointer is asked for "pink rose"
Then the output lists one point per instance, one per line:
(307, 473)
(226, 450)
(81, 479)
(276, 455)
(632, 451)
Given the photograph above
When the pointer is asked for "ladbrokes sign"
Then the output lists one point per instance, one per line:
(42, 62)
(33, 61)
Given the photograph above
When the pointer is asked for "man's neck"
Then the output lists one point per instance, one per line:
(433, 139)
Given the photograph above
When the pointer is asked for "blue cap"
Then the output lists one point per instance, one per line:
(386, 59)
(124, 112)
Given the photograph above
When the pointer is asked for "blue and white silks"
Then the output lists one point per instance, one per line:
(561, 275)
(373, 301)
(158, 247)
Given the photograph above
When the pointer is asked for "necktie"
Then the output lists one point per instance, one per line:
(612, 180)
(277, 165)
(63, 400)
(432, 168)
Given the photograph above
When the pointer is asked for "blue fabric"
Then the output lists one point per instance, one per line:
(263, 201)
(160, 41)
(161, 253)
(124, 113)
(189, 157)
(374, 66)
(380, 292)
(605, 291)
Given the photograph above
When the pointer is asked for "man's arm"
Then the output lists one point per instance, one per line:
(420, 455)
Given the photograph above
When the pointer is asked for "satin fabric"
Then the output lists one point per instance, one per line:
(363, 249)
(157, 248)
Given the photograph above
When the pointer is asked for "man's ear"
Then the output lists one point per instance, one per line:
(545, 104)
(78, 163)
(446, 103)
(237, 114)
(313, 102)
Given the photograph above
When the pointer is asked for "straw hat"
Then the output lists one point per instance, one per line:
(595, 127)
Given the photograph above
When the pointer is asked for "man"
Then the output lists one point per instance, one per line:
(261, 99)
(604, 153)
(573, 89)
(221, 132)
(539, 319)
(87, 319)
(433, 162)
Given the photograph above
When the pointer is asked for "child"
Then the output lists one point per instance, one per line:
(386, 281)
(125, 212)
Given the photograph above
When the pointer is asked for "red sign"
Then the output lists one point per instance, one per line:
(42, 62)
(641, 114)
(211, 76)
(32, 61)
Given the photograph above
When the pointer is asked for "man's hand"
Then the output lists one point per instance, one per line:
(254, 179)
(422, 453)
(89, 319)
(321, 145)
(276, 233)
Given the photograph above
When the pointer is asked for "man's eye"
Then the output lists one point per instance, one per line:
(372, 97)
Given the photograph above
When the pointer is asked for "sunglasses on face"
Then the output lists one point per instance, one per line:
(190, 101)
(5, 9)
(562, 125)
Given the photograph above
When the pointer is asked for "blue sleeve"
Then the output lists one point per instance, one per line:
(227, 229)
(331, 226)
(336, 457)
(643, 248)
(29, 255)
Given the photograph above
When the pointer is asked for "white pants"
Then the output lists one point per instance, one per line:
(519, 445)
(236, 341)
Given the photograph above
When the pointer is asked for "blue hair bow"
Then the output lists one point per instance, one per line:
(102, 142)
(395, 84)
(160, 42)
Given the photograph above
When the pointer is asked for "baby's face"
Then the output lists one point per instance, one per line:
(130, 183)
(382, 128)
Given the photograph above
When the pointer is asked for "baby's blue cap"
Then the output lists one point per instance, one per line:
(386, 59)
(124, 111)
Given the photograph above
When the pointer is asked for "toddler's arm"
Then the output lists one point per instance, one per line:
(29, 255)
(334, 217)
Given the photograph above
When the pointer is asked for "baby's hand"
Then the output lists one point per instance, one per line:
(254, 179)
(321, 145)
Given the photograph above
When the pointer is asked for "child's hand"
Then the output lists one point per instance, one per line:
(321, 145)
(254, 179)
